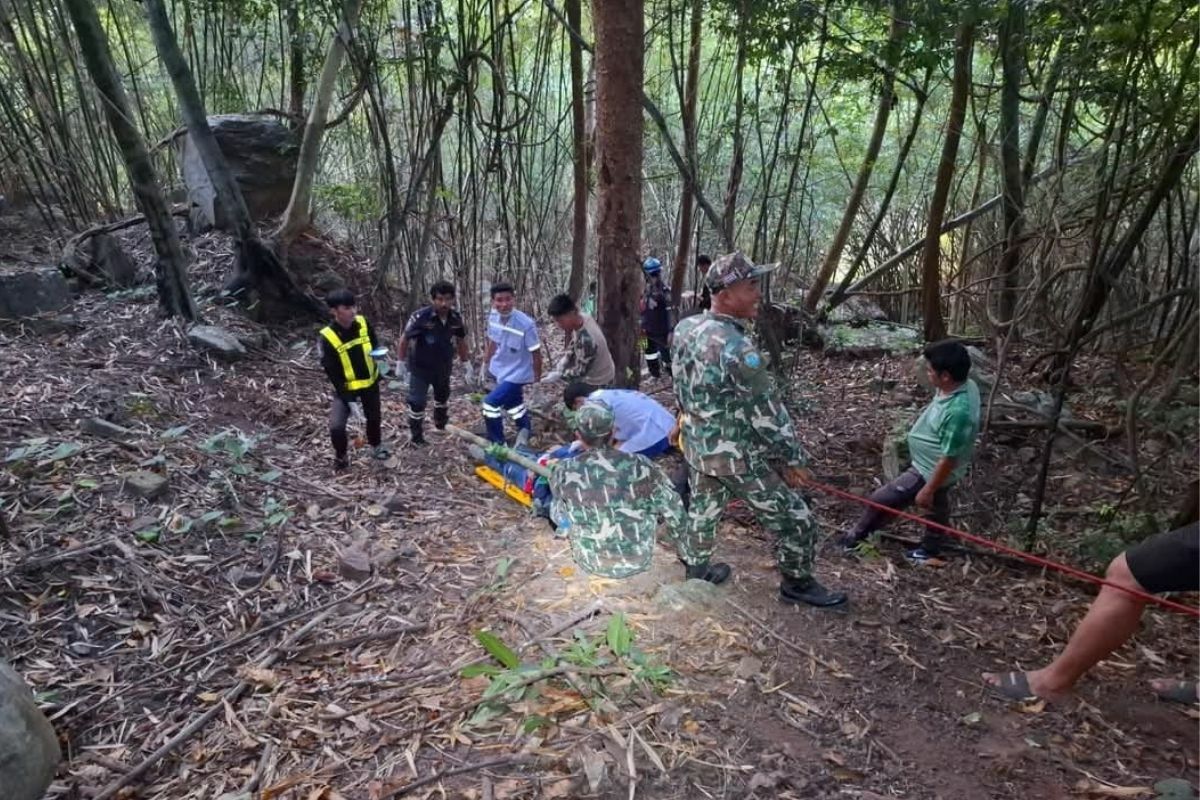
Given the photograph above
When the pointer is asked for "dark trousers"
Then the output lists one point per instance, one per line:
(339, 414)
(900, 494)
(658, 355)
(420, 380)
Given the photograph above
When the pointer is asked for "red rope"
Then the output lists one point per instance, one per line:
(1021, 554)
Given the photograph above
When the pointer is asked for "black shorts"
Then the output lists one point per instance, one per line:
(1167, 562)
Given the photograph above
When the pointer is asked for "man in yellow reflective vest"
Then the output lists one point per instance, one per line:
(346, 346)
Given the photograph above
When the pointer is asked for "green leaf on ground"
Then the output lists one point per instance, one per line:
(498, 649)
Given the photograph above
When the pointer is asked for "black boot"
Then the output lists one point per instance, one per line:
(418, 432)
(341, 462)
(713, 573)
(808, 590)
(441, 415)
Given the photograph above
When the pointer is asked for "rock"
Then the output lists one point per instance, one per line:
(858, 311)
(29, 751)
(144, 484)
(261, 152)
(688, 594)
(106, 430)
(396, 504)
(218, 341)
(102, 255)
(867, 341)
(895, 450)
(256, 340)
(243, 578)
(1175, 789)
(32, 292)
(354, 563)
(881, 385)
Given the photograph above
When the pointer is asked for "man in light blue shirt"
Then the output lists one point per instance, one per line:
(640, 425)
(514, 358)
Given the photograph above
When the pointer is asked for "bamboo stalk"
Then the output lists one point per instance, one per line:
(502, 452)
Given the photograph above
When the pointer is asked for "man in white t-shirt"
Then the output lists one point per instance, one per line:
(641, 425)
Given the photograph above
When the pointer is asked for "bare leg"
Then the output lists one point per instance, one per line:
(1111, 620)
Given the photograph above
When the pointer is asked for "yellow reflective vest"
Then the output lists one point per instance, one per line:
(354, 381)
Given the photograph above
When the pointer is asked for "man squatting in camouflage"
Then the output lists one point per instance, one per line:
(737, 436)
(608, 502)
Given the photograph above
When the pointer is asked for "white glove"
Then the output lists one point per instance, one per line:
(561, 364)
(469, 374)
(552, 377)
(401, 371)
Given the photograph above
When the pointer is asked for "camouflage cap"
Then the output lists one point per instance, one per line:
(733, 267)
(594, 421)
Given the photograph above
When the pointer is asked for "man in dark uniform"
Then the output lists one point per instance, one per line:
(346, 346)
(656, 318)
(431, 338)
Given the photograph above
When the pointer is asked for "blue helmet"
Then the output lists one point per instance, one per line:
(651, 266)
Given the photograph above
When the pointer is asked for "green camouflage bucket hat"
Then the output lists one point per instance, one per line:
(594, 421)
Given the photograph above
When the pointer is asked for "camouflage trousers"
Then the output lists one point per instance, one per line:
(778, 508)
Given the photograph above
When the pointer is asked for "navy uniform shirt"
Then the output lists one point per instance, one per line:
(431, 342)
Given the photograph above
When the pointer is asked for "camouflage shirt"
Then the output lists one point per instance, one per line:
(588, 359)
(608, 503)
(733, 420)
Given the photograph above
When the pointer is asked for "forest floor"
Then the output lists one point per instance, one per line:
(296, 633)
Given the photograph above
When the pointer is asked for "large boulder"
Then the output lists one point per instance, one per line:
(29, 751)
(32, 292)
(101, 261)
(261, 152)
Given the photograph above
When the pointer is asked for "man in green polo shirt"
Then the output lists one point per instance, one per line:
(940, 445)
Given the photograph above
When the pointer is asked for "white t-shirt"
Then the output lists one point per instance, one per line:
(638, 421)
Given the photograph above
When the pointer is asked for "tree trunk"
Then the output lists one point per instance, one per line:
(739, 104)
(169, 268)
(1012, 58)
(295, 64)
(686, 203)
(298, 215)
(931, 283)
(619, 123)
(579, 216)
(276, 295)
(887, 98)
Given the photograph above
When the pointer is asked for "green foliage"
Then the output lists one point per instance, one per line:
(351, 201)
(231, 443)
(38, 451)
(1117, 531)
(588, 660)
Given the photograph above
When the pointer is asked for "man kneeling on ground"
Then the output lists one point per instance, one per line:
(608, 503)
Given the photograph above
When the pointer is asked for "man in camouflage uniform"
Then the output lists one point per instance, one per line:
(737, 436)
(608, 502)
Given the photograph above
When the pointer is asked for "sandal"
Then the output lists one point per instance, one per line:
(1175, 691)
(1012, 686)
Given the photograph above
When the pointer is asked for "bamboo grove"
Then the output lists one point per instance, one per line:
(1014, 170)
